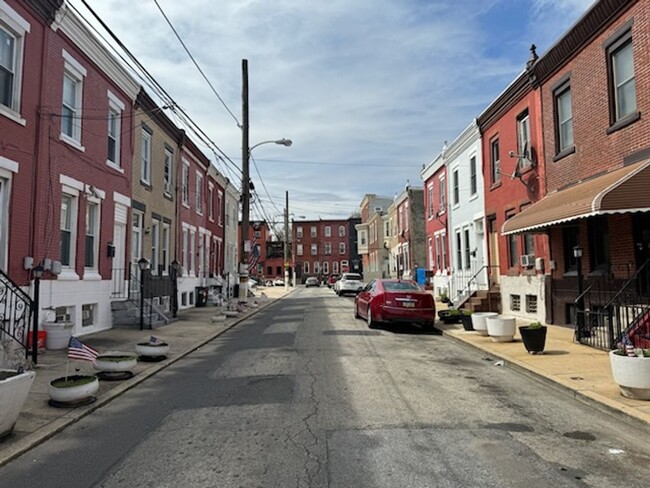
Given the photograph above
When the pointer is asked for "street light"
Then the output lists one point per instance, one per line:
(580, 318)
(281, 142)
(143, 264)
(176, 266)
(38, 274)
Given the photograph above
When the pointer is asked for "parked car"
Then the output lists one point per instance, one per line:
(332, 280)
(278, 282)
(349, 283)
(397, 301)
(312, 281)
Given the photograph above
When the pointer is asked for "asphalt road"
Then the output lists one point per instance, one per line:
(303, 395)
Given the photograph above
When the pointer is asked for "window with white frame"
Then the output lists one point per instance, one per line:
(186, 251)
(5, 183)
(193, 253)
(523, 133)
(199, 193)
(468, 249)
(326, 267)
(220, 208)
(299, 249)
(299, 232)
(314, 249)
(443, 194)
(316, 267)
(328, 248)
(88, 314)
(92, 235)
(473, 187)
(443, 244)
(137, 223)
(335, 267)
(145, 155)
(68, 228)
(211, 202)
(306, 267)
(168, 175)
(459, 251)
(456, 183)
(341, 230)
(155, 246)
(563, 118)
(341, 247)
(386, 229)
(620, 60)
(495, 161)
(313, 231)
(362, 238)
(164, 243)
(186, 184)
(344, 266)
(13, 29)
(438, 252)
(328, 231)
(430, 200)
(114, 122)
(430, 253)
(71, 110)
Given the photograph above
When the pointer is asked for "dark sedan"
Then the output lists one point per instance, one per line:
(397, 301)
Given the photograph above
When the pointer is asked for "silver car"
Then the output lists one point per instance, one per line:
(349, 283)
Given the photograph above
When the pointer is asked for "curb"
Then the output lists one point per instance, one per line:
(32, 440)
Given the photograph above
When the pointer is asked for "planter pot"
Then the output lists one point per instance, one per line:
(58, 334)
(115, 362)
(14, 388)
(632, 374)
(501, 328)
(152, 350)
(466, 320)
(231, 313)
(479, 323)
(448, 317)
(534, 339)
(73, 391)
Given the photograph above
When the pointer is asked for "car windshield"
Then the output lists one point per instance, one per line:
(353, 277)
(400, 286)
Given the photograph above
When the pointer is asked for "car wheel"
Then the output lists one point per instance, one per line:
(427, 326)
(356, 311)
(371, 323)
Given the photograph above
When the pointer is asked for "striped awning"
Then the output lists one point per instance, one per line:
(622, 190)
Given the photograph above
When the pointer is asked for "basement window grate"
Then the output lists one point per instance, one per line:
(515, 302)
(531, 303)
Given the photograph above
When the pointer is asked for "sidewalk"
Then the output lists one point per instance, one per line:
(575, 369)
(38, 421)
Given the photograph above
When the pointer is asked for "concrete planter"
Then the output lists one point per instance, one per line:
(479, 323)
(231, 313)
(501, 328)
(14, 388)
(73, 390)
(151, 350)
(115, 362)
(632, 374)
(58, 335)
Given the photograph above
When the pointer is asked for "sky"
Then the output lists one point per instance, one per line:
(367, 90)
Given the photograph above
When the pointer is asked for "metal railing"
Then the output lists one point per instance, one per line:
(613, 306)
(16, 315)
(120, 282)
(462, 285)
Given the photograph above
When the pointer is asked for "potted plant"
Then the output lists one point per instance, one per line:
(449, 316)
(73, 391)
(631, 371)
(501, 328)
(466, 319)
(115, 365)
(153, 350)
(534, 337)
(478, 322)
(14, 388)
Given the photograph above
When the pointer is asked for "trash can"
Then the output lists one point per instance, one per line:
(201, 296)
(58, 334)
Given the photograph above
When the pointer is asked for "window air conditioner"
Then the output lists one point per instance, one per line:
(527, 260)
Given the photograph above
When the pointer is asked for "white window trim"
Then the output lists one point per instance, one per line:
(18, 27)
(219, 208)
(185, 184)
(68, 271)
(155, 246)
(198, 197)
(168, 184)
(164, 245)
(89, 271)
(74, 69)
(116, 106)
(145, 135)
(210, 202)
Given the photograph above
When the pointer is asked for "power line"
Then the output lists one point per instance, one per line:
(196, 64)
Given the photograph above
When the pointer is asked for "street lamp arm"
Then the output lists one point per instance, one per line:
(282, 142)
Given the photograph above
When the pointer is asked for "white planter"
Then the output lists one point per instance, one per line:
(146, 349)
(58, 334)
(231, 313)
(632, 375)
(479, 323)
(127, 363)
(13, 393)
(217, 318)
(72, 394)
(501, 328)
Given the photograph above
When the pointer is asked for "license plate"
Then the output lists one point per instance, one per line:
(408, 304)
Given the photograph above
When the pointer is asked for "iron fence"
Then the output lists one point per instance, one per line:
(16, 314)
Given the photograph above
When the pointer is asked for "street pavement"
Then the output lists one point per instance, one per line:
(580, 371)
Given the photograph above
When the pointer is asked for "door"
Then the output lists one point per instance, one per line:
(120, 275)
(493, 243)
(641, 226)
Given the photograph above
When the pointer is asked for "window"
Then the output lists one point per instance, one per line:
(168, 171)
(328, 248)
(71, 109)
(598, 243)
(459, 251)
(472, 176)
(438, 253)
(456, 187)
(386, 229)
(341, 247)
(136, 236)
(219, 207)
(620, 57)
(68, 226)
(328, 231)
(341, 230)
(193, 253)
(299, 249)
(313, 231)
(185, 184)
(335, 267)
(306, 267)
(443, 197)
(513, 252)
(362, 236)
(155, 246)
(316, 267)
(443, 243)
(523, 133)
(13, 29)
(113, 136)
(468, 251)
(145, 156)
(199, 193)
(88, 314)
(569, 241)
(210, 202)
(5, 185)
(430, 200)
(529, 244)
(165, 248)
(563, 118)
(326, 267)
(531, 303)
(495, 162)
(299, 232)
(314, 249)
(92, 235)
(515, 303)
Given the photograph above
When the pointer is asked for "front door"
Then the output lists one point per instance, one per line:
(120, 267)
(641, 226)
(495, 275)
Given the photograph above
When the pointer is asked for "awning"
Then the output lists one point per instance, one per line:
(622, 190)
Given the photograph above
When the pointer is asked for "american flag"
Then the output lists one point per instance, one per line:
(629, 347)
(155, 341)
(255, 255)
(79, 350)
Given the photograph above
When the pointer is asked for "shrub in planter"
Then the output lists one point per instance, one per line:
(534, 337)
(632, 373)
(449, 316)
(73, 390)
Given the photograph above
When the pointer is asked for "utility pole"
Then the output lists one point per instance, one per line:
(286, 241)
(245, 191)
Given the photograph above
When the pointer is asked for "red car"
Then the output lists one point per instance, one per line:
(332, 279)
(387, 300)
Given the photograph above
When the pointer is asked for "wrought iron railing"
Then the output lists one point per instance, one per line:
(16, 315)
(612, 305)
(462, 285)
(120, 282)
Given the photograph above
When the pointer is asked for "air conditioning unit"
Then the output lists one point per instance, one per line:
(527, 260)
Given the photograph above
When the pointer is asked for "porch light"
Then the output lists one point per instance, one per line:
(143, 264)
(577, 252)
